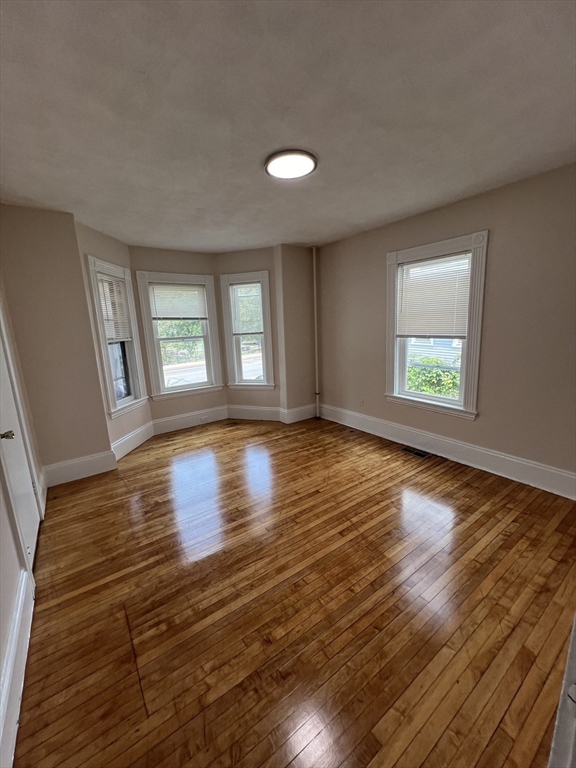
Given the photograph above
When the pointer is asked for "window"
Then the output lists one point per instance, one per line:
(120, 371)
(118, 335)
(246, 303)
(179, 314)
(434, 315)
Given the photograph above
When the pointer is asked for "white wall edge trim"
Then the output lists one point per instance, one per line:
(186, 420)
(292, 415)
(532, 473)
(42, 490)
(132, 440)
(75, 469)
(13, 668)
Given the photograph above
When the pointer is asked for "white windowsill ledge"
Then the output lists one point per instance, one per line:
(128, 407)
(187, 392)
(430, 406)
(251, 386)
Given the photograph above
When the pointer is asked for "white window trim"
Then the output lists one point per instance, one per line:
(476, 244)
(187, 392)
(251, 385)
(248, 277)
(159, 391)
(135, 363)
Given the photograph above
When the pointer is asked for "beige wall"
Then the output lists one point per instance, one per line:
(526, 393)
(44, 291)
(68, 244)
(297, 321)
(166, 260)
(106, 248)
(526, 399)
(101, 246)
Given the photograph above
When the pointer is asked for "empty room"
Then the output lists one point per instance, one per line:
(288, 384)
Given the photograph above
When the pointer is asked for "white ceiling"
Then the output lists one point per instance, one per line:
(151, 120)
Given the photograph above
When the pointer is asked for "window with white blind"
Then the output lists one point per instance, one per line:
(246, 305)
(121, 362)
(434, 314)
(181, 329)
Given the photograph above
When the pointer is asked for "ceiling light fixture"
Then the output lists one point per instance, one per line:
(290, 164)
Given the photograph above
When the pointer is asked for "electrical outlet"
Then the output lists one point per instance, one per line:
(361, 401)
(203, 419)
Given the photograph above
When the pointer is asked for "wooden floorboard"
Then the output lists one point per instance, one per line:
(255, 594)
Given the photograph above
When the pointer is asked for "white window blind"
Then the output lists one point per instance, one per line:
(433, 297)
(115, 310)
(178, 302)
(246, 308)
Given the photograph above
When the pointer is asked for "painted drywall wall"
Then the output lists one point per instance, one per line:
(298, 325)
(186, 263)
(106, 248)
(101, 246)
(526, 399)
(44, 291)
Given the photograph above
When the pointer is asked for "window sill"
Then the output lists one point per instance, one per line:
(128, 407)
(430, 406)
(251, 386)
(188, 392)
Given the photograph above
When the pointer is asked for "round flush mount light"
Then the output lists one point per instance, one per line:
(290, 164)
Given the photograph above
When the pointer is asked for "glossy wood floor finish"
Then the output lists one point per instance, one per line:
(255, 594)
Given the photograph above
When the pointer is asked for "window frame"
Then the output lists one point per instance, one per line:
(476, 244)
(132, 348)
(212, 347)
(233, 363)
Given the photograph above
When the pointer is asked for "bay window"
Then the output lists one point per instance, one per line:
(181, 330)
(246, 304)
(121, 361)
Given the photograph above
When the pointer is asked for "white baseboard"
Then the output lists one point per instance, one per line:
(542, 476)
(13, 668)
(285, 415)
(254, 412)
(132, 440)
(292, 415)
(75, 469)
(186, 420)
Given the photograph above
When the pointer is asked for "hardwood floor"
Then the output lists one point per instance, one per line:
(255, 594)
